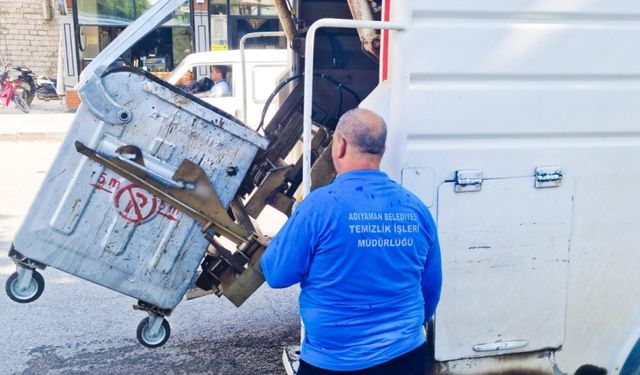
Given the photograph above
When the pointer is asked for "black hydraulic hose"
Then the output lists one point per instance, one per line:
(338, 83)
(273, 95)
(339, 105)
(337, 53)
(339, 87)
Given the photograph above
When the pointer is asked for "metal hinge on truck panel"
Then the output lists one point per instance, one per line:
(468, 181)
(471, 180)
(547, 177)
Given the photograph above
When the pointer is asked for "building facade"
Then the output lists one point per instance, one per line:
(32, 32)
(196, 26)
(30, 35)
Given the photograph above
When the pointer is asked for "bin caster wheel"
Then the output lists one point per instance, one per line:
(24, 293)
(151, 339)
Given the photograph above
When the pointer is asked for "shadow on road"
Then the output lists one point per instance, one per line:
(249, 351)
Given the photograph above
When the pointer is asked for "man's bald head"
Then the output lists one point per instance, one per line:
(359, 141)
(365, 130)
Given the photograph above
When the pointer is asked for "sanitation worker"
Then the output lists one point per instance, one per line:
(365, 252)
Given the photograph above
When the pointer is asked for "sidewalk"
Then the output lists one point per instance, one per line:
(46, 122)
(34, 127)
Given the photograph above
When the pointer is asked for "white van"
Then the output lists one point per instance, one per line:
(264, 69)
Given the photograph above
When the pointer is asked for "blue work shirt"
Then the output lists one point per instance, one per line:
(365, 251)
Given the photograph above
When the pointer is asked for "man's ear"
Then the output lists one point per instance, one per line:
(342, 147)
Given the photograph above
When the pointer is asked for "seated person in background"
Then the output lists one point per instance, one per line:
(197, 87)
(220, 85)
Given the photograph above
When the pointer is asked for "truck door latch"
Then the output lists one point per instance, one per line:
(547, 177)
(468, 180)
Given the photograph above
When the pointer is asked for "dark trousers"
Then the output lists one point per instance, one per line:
(411, 363)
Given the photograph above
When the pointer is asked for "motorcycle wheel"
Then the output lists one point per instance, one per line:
(23, 89)
(21, 103)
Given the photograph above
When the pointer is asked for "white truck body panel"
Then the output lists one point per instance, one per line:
(505, 87)
(509, 258)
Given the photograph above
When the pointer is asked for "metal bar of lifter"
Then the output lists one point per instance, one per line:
(197, 199)
(308, 81)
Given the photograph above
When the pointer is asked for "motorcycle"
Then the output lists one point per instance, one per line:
(25, 84)
(8, 93)
(31, 86)
(46, 89)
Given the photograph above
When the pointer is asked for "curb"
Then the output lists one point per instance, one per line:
(32, 137)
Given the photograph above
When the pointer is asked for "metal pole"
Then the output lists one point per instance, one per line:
(308, 81)
(284, 14)
(263, 34)
(370, 39)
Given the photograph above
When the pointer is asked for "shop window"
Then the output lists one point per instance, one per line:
(181, 16)
(218, 7)
(219, 38)
(243, 25)
(162, 49)
(253, 8)
(105, 12)
(123, 12)
(101, 21)
(93, 39)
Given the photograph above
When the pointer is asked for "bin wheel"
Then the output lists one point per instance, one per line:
(30, 293)
(149, 340)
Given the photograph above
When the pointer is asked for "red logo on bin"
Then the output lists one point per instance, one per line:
(134, 204)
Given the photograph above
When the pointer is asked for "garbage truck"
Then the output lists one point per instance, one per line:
(514, 121)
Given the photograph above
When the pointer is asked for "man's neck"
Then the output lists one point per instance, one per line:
(360, 167)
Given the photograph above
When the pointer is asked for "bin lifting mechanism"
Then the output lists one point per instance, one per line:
(233, 274)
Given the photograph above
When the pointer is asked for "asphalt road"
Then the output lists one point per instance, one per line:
(78, 327)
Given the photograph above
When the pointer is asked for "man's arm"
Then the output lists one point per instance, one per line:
(216, 91)
(287, 258)
(432, 279)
